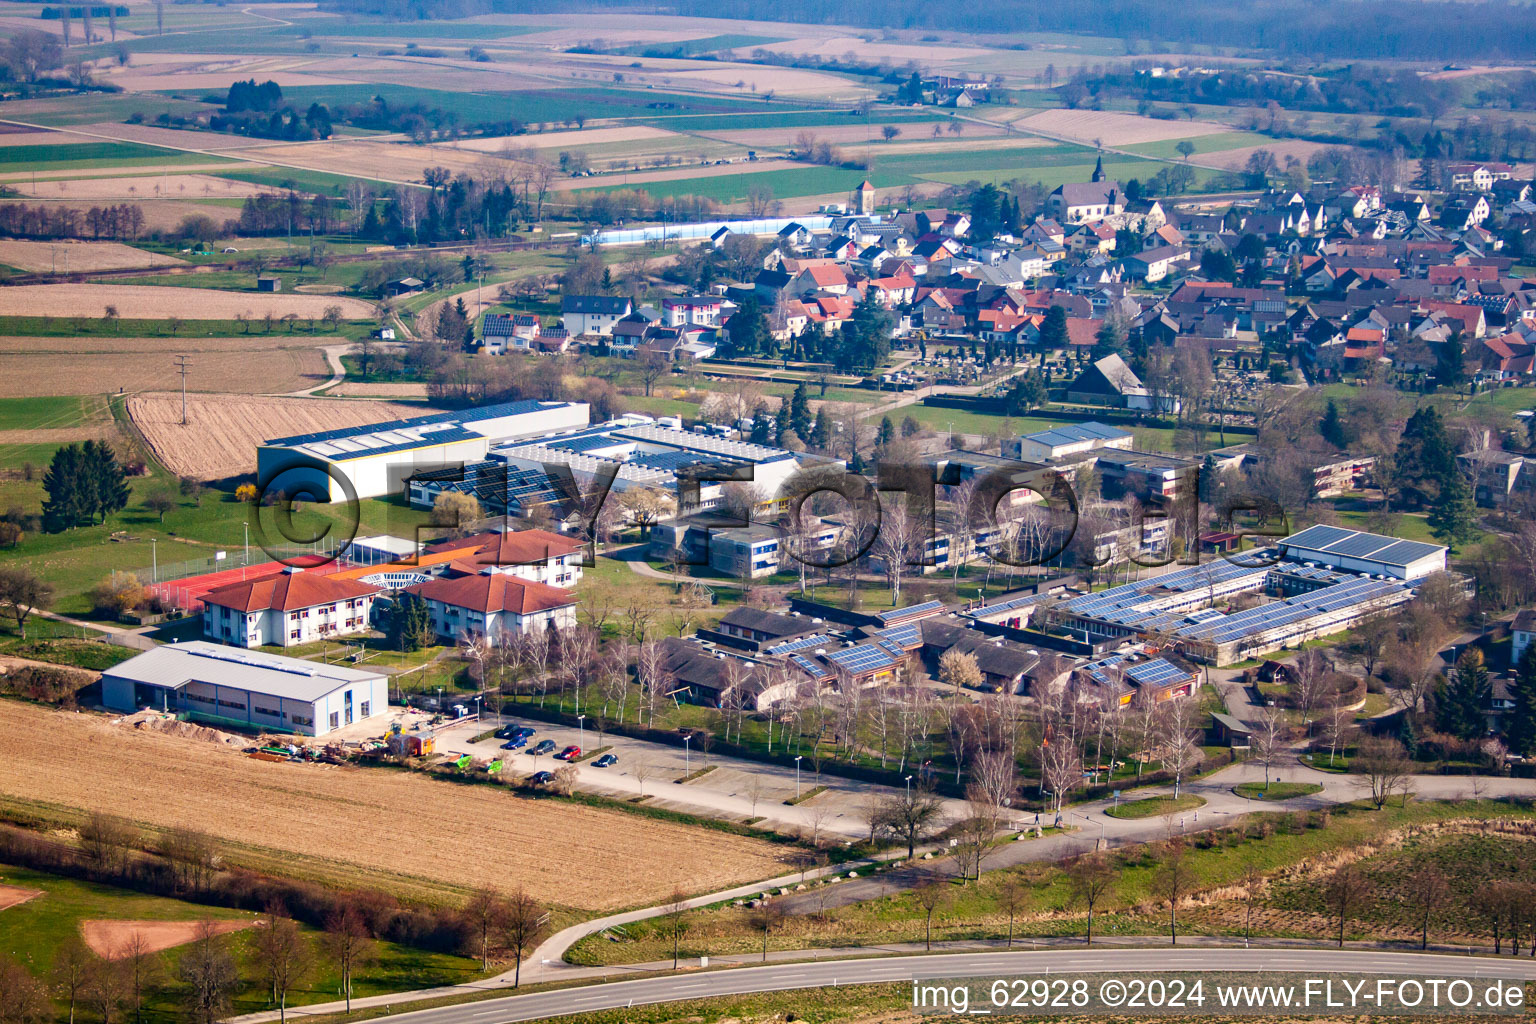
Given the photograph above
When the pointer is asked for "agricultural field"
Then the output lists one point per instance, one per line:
(144, 183)
(140, 302)
(245, 364)
(221, 433)
(1114, 129)
(478, 835)
(74, 256)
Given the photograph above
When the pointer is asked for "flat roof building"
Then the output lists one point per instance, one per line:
(377, 458)
(1067, 439)
(245, 689)
(1354, 551)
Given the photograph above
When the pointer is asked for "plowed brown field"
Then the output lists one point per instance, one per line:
(254, 363)
(387, 822)
(220, 436)
(148, 302)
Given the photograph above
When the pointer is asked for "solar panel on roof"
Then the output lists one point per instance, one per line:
(1361, 545)
(1317, 537)
(1406, 551)
(804, 643)
(907, 635)
(910, 611)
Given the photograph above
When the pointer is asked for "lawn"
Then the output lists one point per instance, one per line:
(134, 539)
(1276, 790)
(1269, 841)
(38, 928)
(62, 644)
(1153, 806)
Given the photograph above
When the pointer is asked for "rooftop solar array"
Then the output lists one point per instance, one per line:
(1148, 595)
(1342, 543)
(1009, 605)
(463, 416)
(812, 669)
(864, 658)
(1072, 433)
(392, 441)
(1096, 669)
(1157, 672)
(1265, 617)
(915, 611)
(804, 643)
(905, 636)
(495, 485)
(704, 443)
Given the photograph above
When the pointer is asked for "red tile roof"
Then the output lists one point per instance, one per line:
(1083, 332)
(287, 591)
(519, 547)
(494, 592)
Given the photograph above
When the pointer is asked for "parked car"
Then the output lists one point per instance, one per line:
(515, 743)
(570, 753)
(544, 747)
(506, 732)
(605, 761)
(541, 778)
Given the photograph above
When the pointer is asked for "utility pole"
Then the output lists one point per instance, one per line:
(183, 363)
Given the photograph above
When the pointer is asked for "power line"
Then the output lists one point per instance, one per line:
(182, 365)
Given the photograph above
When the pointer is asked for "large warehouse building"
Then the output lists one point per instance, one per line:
(375, 458)
(248, 689)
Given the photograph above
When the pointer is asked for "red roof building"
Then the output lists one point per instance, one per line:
(290, 608)
(490, 603)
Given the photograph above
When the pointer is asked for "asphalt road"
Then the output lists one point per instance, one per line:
(1126, 962)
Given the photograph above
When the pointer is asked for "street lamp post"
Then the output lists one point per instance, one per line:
(797, 775)
(909, 789)
(581, 731)
(687, 753)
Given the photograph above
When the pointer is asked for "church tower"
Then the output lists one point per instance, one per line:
(864, 198)
(1098, 168)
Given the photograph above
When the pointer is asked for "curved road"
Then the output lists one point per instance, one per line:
(784, 977)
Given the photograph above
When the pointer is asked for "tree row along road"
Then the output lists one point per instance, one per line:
(786, 977)
(1222, 807)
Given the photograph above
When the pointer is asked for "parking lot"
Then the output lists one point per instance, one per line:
(733, 789)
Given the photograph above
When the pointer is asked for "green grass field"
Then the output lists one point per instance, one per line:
(1154, 806)
(136, 539)
(1276, 790)
(469, 30)
(535, 105)
(1273, 841)
(93, 155)
(37, 929)
(64, 111)
(1168, 149)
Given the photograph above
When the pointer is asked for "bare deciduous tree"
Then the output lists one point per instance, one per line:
(282, 953)
(1171, 882)
(1267, 740)
(932, 896)
(1089, 878)
(521, 928)
(209, 973)
(346, 943)
(1386, 767)
(1346, 888)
